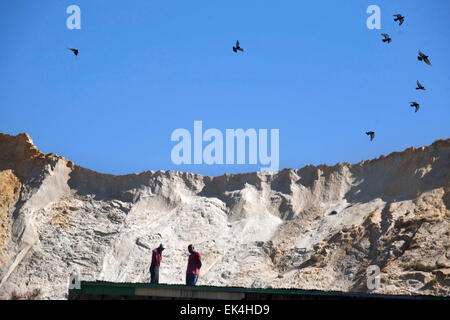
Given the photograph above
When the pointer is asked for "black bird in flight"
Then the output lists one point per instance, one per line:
(235, 49)
(419, 86)
(416, 105)
(371, 134)
(424, 58)
(400, 18)
(386, 38)
(75, 51)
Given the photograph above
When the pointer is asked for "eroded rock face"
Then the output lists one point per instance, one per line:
(9, 194)
(314, 228)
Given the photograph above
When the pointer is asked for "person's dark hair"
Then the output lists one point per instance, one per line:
(191, 247)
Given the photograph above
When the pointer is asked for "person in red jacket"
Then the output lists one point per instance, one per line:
(156, 262)
(193, 267)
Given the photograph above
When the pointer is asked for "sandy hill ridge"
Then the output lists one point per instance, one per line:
(318, 227)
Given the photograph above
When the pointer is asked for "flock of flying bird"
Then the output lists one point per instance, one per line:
(387, 38)
(421, 57)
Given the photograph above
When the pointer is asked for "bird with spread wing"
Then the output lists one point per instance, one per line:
(237, 47)
(371, 134)
(75, 51)
(415, 104)
(423, 57)
(399, 17)
(419, 86)
(386, 38)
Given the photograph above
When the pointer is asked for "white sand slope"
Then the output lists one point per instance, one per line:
(313, 228)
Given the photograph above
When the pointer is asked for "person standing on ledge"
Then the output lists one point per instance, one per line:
(193, 267)
(156, 262)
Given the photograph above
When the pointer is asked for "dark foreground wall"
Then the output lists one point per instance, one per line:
(100, 290)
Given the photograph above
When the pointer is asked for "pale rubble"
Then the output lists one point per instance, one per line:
(318, 227)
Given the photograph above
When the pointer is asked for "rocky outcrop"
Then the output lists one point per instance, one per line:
(9, 194)
(318, 227)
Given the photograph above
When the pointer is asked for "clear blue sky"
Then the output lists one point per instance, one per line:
(310, 68)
